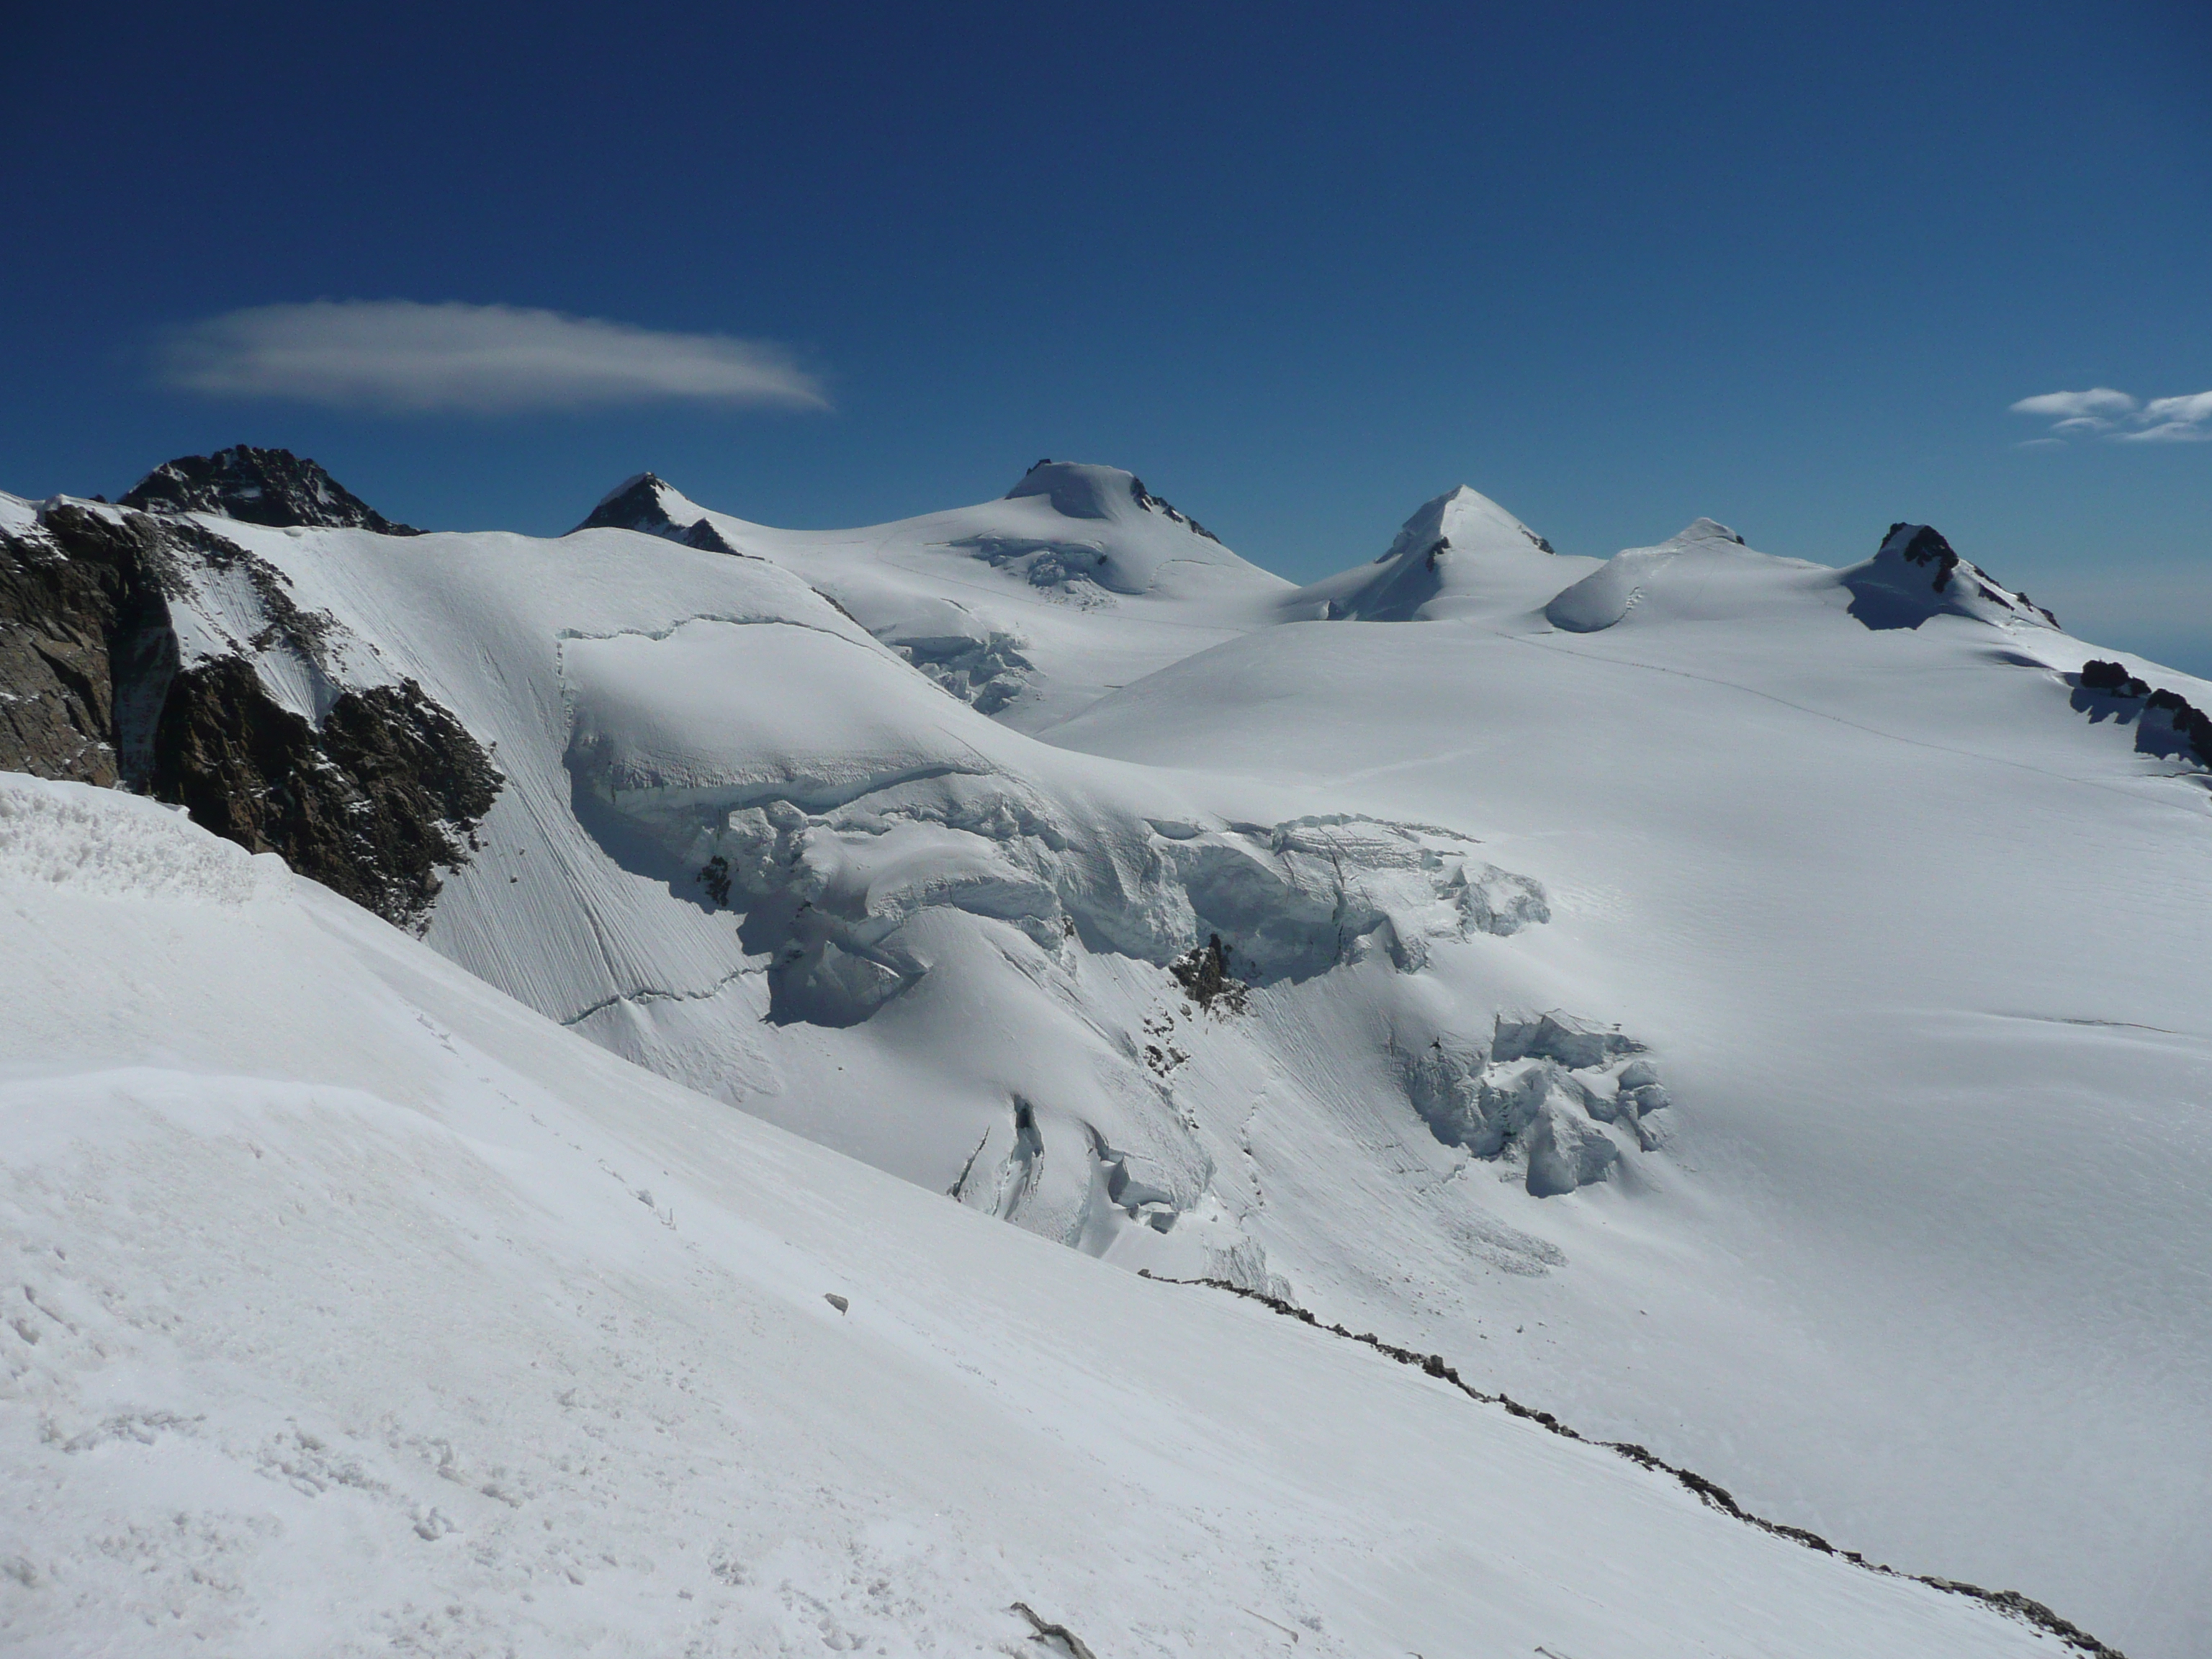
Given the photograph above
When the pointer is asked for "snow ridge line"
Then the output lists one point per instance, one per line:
(2011, 1602)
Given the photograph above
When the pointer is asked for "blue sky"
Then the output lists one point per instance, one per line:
(1300, 267)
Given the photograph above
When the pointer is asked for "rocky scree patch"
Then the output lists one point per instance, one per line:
(388, 790)
(1203, 973)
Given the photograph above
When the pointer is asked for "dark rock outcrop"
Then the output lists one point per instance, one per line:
(1203, 973)
(258, 486)
(1153, 504)
(2105, 688)
(84, 647)
(1924, 545)
(638, 504)
(2111, 678)
(1915, 574)
(57, 695)
(634, 504)
(372, 802)
(389, 790)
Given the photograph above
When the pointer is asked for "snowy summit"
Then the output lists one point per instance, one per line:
(1457, 546)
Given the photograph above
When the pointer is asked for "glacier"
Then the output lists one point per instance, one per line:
(1738, 1004)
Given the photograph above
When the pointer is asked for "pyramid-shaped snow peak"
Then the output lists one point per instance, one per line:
(643, 501)
(1464, 521)
(1453, 546)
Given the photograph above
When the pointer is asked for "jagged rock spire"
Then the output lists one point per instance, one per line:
(258, 486)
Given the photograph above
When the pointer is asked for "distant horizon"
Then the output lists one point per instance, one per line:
(2193, 658)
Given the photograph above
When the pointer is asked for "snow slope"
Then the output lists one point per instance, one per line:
(356, 1309)
(1917, 926)
(743, 843)
(1752, 1015)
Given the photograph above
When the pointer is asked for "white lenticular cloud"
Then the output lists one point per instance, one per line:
(2169, 432)
(2097, 401)
(2105, 413)
(2195, 408)
(2173, 420)
(403, 356)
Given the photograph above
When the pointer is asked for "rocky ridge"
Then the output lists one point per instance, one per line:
(270, 487)
(2105, 687)
(143, 651)
(1916, 574)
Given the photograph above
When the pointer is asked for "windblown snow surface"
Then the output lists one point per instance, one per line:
(1748, 1008)
(356, 1308)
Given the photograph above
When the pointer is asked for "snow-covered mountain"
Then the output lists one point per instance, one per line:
(1746, 1006)
(1459, 546)
(1028, 608)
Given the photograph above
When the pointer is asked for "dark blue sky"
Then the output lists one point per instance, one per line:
(1300, 267)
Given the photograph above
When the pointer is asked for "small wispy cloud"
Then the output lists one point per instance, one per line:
(2103, 412)
(2174, 420)
(404, 357)
(2095, 404)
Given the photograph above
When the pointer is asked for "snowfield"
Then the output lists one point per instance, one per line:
(1917, 929)
(362, 1310)
(1751, 1008)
